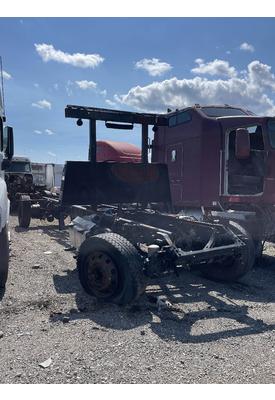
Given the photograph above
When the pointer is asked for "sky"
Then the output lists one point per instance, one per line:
(137, 64)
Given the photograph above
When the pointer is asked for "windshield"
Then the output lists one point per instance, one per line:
(223, 111)
(271, 131)
(19, 167)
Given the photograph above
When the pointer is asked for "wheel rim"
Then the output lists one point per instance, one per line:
(102, 274)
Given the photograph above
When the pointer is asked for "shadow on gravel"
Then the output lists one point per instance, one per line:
(2, 293)
(108, 316)
(266, 262)
(195, 301)
(218, 308)
(61, 237)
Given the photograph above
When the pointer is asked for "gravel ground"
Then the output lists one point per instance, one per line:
(213, 333)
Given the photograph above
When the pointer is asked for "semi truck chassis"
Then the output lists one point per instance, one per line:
(118, 249)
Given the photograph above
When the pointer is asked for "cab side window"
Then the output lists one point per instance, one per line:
(256, 137)
(179, 118)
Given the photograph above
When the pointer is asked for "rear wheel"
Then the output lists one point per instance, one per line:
(24, 211)
(4, 256)
(110, 268)
(234, 268)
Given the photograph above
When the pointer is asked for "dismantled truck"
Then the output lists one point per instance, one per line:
(22, 176)
(19, 179)
(32, 191)
(127, 224)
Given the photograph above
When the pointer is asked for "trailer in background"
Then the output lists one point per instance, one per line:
(43, 175)
(107, 150)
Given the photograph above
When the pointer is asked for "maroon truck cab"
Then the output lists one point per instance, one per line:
(199, 147)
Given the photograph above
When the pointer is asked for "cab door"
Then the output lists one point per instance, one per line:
(174, 160)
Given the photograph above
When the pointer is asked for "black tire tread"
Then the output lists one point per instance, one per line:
(24, 211)
(4, 257)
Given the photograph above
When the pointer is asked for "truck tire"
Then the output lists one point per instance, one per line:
(235, 268)
(24, 211)
(13, 205)
(259, 248)
(4, 257)
(110, 268)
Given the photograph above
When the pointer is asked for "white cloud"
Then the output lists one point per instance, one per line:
(68, 88)
(48, 53)
(103, 93)
(49, 132)
(86, 84)
(38, 132)
(247, 47)
(6, 75)
(254, 90)
(51, 154)
(36, 85)
(42, 104)
(260, 75)
(215, 67)
(111, 103)
(56, 87)
(153, 66)
(199, 61)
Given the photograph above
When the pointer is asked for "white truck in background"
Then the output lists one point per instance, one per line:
(6, 153)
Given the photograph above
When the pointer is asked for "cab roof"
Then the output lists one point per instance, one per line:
(215, 111)
(21, 158)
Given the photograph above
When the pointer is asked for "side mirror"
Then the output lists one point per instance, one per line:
(8, 146)
(242, 144)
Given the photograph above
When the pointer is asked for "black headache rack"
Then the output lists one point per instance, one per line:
(114, 183)
(105, 114)
(115, 119)
(89, 182)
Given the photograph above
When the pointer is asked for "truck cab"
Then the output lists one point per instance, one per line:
(220, 158)
(19, 177)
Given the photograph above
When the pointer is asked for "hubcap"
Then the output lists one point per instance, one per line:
(102, 274)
